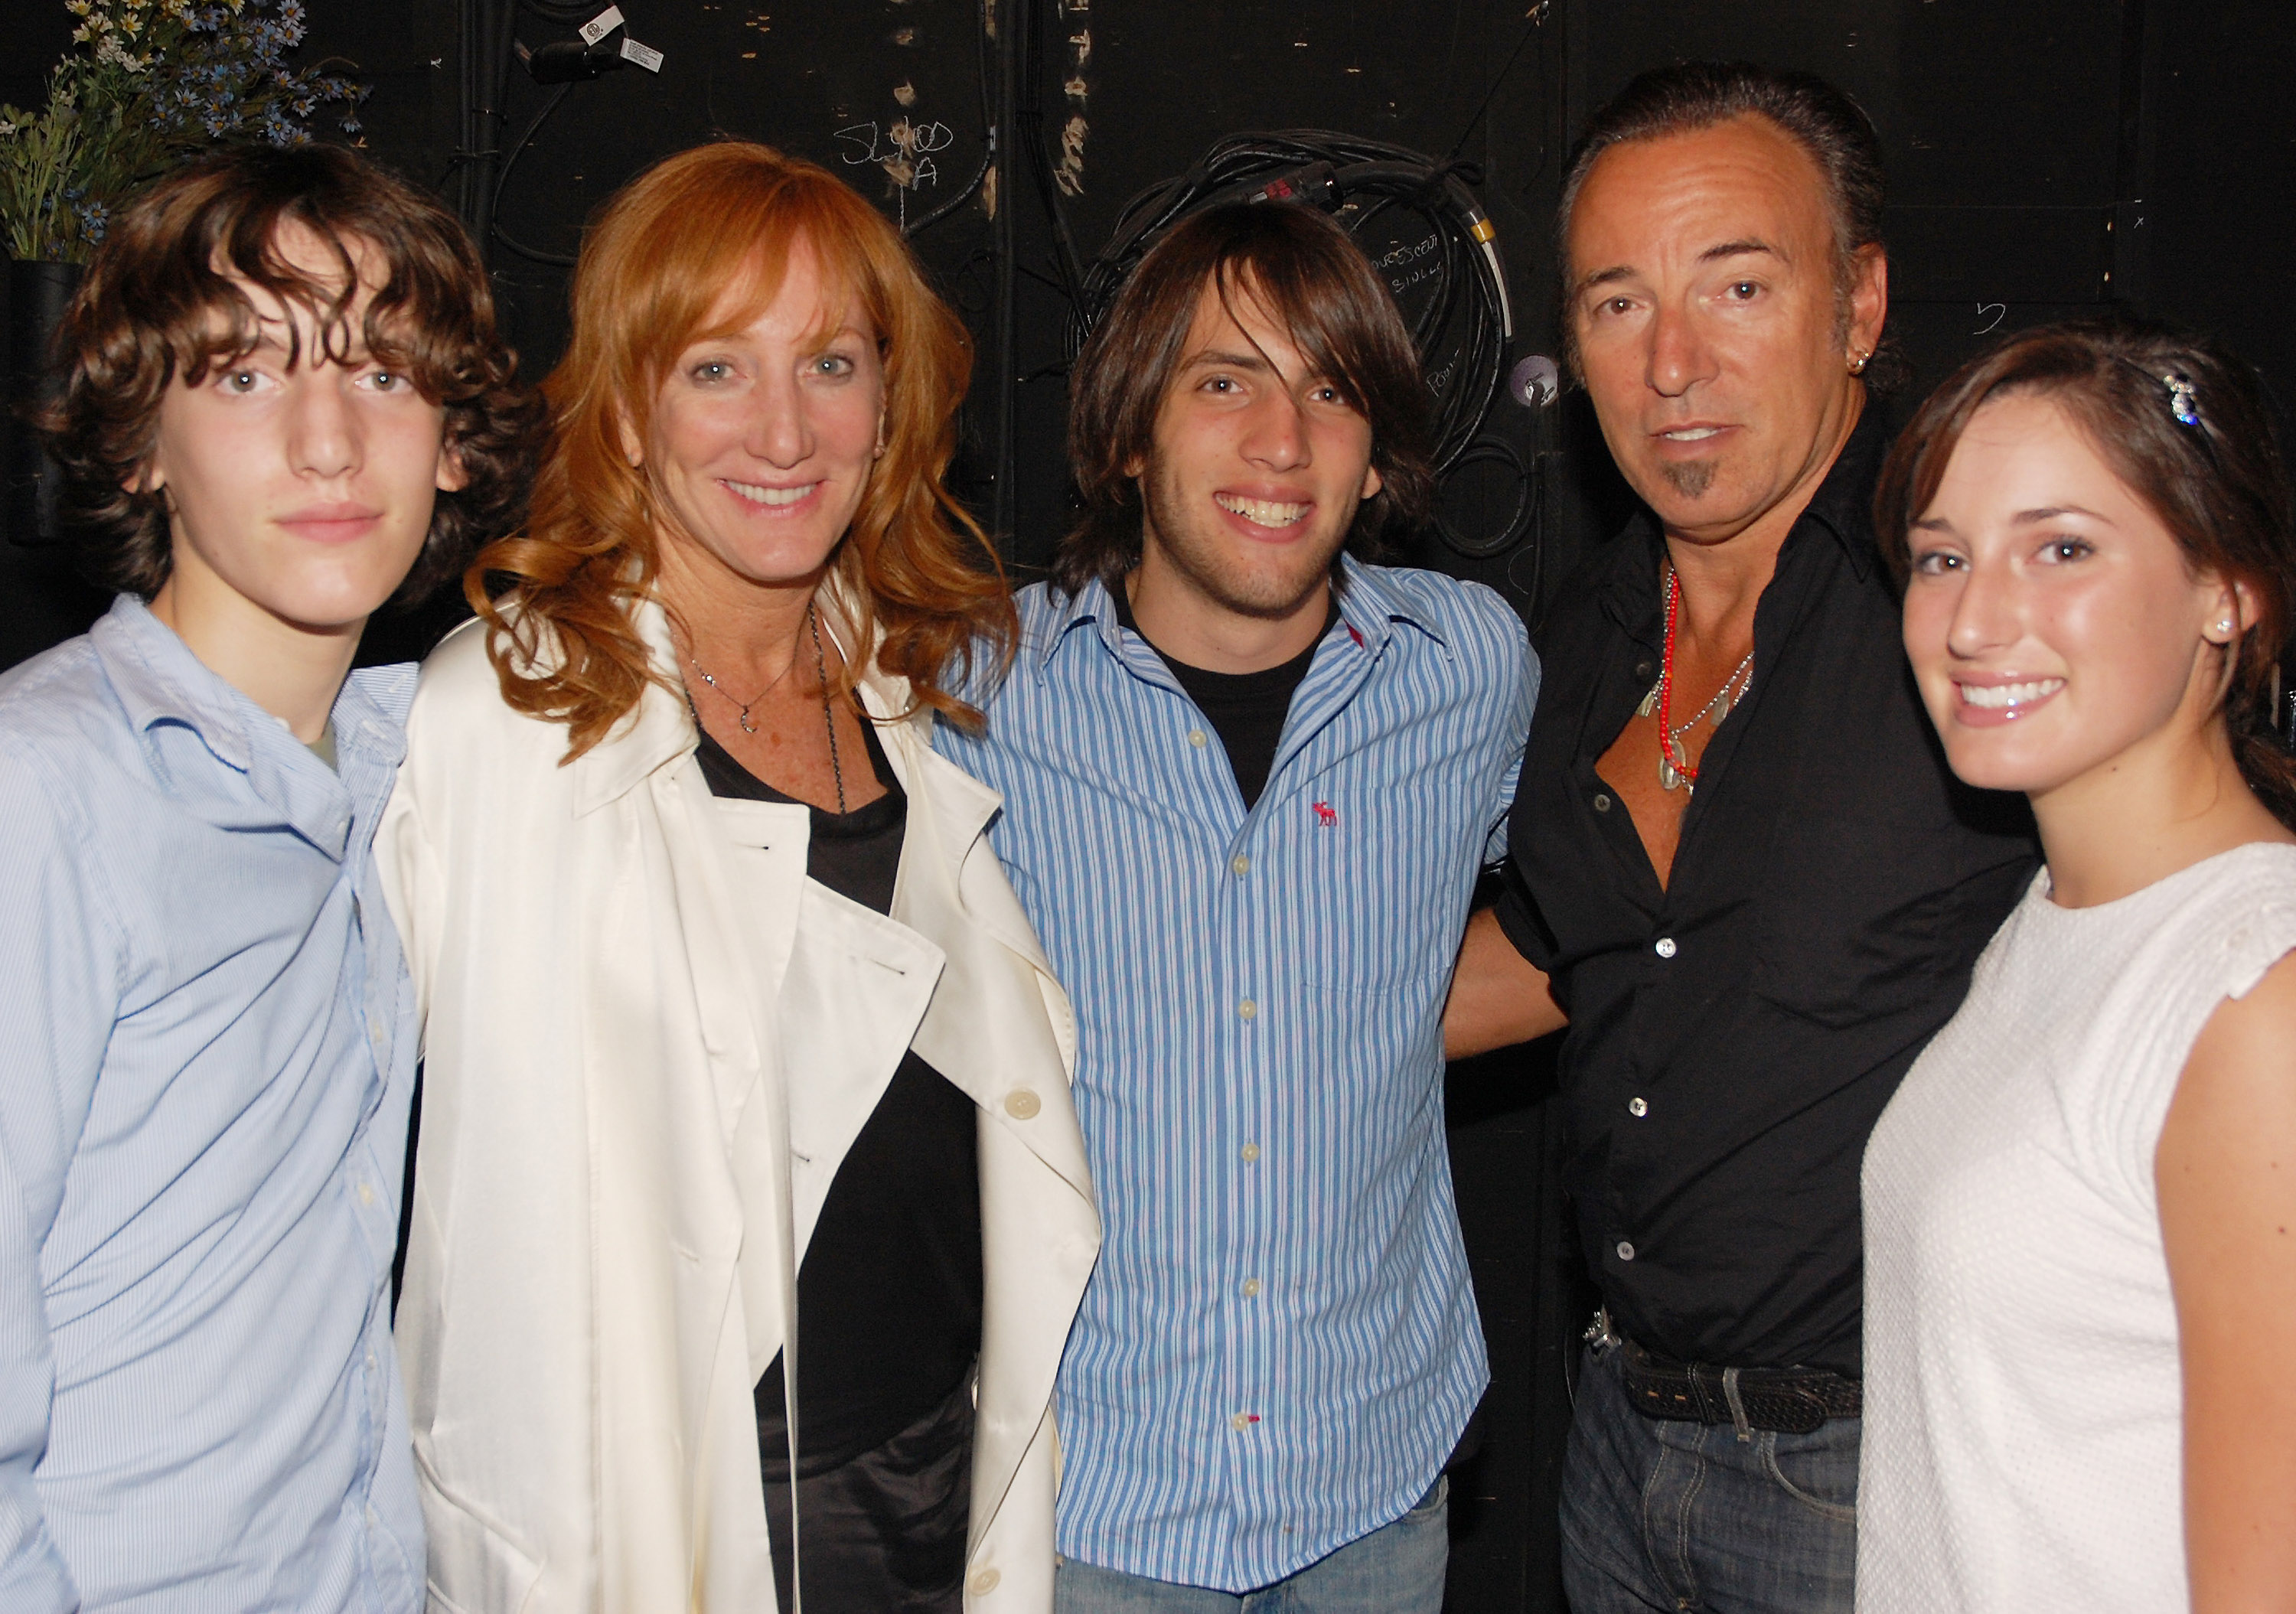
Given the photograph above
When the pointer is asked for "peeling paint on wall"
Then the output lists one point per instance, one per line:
(1068, 172)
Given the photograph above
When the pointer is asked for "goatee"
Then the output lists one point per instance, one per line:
(1691, 478)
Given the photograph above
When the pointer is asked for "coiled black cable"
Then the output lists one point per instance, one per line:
(1358, 180)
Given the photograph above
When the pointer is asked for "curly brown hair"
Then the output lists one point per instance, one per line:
(165, 299)
(916, 576)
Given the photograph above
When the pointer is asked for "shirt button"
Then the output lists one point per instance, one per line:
(1663, 946)
(1251, 1287)
(1240, 864)
(1247, 1008)
(983, 1582)
(1637, 1107)
(1642, 669)
(1626, 1251)
(1601, 802)
(1241, 1420)
(1021, 1104)
(1196, 737)
(1251, 1154)
(367, 1193)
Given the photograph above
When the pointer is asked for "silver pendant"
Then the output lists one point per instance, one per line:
(1650, 701)
(1721, 708)
(1668, 778)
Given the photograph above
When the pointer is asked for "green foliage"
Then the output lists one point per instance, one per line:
(149, 84)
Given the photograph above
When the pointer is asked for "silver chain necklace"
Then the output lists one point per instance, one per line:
(742, 718)
(821, 672)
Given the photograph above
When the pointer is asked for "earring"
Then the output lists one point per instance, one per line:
(1858, 363)
(2225, 627)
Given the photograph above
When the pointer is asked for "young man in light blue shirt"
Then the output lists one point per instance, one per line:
(1249, 780)
(278, 363)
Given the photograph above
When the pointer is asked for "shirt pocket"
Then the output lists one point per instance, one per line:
(1852, 918)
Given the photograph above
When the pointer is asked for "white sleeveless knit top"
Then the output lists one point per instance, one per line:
(2023, 1417)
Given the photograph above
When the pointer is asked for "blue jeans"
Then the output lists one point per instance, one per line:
(1673, 1516)
(1396, 1569)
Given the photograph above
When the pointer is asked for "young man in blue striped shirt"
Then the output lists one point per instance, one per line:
(1249, 780)
(277, 362)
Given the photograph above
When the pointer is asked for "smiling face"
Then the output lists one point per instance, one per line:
(1257, 467)
(1708, 326)
(301, 494)
(2054, 626)
(761, 438)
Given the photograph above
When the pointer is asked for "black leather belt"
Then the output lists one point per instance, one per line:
(1786, 1400)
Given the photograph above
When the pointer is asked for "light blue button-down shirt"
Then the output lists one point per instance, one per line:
(1280, 1346)
(207, 1050)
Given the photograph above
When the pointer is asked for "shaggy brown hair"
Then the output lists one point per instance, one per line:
(2217, 484)
(1312, 280)
(918, 576)
(165, 299)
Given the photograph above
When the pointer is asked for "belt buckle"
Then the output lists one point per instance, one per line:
(1599, 1332)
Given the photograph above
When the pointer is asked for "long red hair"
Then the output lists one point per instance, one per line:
(918, 578)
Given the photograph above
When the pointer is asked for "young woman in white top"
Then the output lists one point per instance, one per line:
(2080, 1206)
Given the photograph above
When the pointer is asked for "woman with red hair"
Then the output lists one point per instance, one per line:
(749, 1211)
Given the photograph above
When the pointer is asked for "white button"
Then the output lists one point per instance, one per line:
(367, 1193)
(1247, 1008)
(1626, 1251)
(1240, 864)
(983, 1582)
(1251, 1287)
(1601, 802)
(1021, 1104)
(1241, 1421)
(1663, 946)
(1251, 1154)
(370, 1361)
(1637, 1107)
(1195, 737)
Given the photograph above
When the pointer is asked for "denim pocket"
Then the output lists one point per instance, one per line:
(1815, 1471)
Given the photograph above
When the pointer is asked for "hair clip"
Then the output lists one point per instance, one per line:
(2180, 398)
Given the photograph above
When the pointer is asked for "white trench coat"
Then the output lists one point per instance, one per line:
(615, 1178)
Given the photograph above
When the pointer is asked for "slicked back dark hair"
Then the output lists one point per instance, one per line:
(159, 303)
(1310, 278)
(1831, 128)
(2216, 483)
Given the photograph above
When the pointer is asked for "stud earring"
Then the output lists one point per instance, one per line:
(1858, 363)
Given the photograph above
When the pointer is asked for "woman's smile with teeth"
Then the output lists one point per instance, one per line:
(2005, 695)
(756, 495)
(1260, 512)
(1690, 434)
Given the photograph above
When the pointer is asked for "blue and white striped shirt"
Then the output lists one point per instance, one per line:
(1280, 1346)
(207, 1049)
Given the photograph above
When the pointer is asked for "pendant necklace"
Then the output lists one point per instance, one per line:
(1674, 770)
(748, 728)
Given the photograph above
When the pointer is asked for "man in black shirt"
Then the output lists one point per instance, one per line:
(1741, 868)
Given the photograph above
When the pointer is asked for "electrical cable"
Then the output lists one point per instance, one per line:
(502, 178)
(987, 132)
(1359, 181)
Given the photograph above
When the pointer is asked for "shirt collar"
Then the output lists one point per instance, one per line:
(161, 684)
(1370, 606)
(1842, 508)
(158, 680)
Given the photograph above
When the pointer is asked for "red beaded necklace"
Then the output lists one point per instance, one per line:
(1674, 769)
(1683, 772)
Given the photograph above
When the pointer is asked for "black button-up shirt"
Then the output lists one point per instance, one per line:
(1734, 1035)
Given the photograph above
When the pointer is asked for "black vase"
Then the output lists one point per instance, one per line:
(37, 295)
